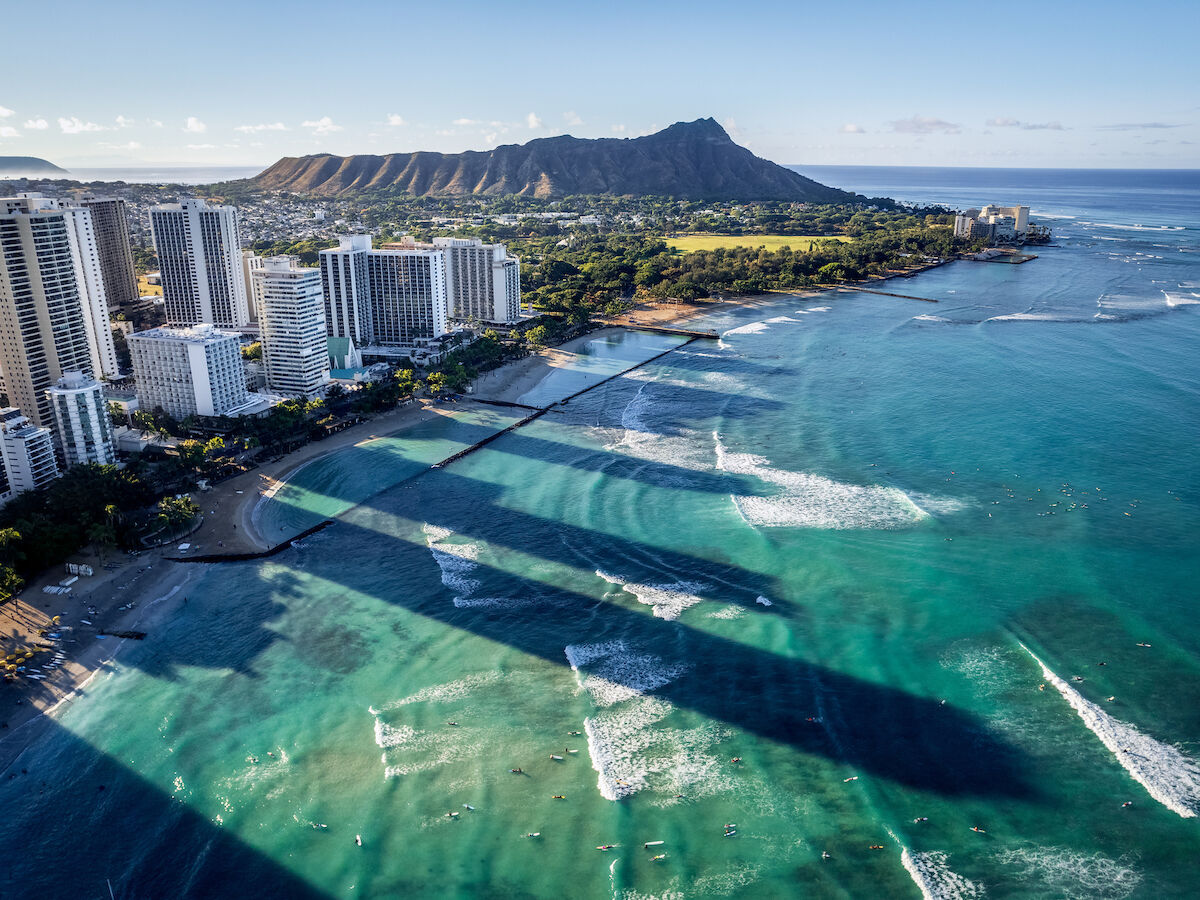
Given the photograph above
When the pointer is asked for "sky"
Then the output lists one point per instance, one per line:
(1061, 84)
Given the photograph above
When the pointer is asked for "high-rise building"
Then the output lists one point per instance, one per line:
(389, 297)
(408, 295)
(44, 329)
(81, 420)
(483, 283)
(251, 263)
(291, 318)
(27, 452)
(347, 294)
(200, 257)
(116, 253)
(189, 371)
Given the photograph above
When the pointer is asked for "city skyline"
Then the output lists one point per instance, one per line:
(879, 85)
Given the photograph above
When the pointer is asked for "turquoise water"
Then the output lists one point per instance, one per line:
(820, 546)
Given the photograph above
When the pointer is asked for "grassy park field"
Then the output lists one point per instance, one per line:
(145, 288)
(688, 242)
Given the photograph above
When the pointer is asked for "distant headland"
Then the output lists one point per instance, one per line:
(28, 166)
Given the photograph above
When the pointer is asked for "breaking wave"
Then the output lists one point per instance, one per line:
(813, 501)
(1072, 875)
(1169, 776)
(932, 875)
(667, 601)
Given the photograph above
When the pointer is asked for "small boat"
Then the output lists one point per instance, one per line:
(1143, 644)
(468, 806)
(848, 780)
(84, 622)
(451, 815)
(1126, 803)
(533, 834)
(657, 858)
(730, 833)
(358, 839)
(559, 758)
(977, 829)
(877, 846)
(921, 819)
(558, 796)
(572, 751)
(649, 844)
(319, 825)
(606, 846)
(825, 855)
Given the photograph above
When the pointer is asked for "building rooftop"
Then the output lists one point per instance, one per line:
(201, 334)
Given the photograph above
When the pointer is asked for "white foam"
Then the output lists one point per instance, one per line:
(752, 328)
(763, 600)
(667, 601)
(1169, 776)
(616, 673)
(732, 611)
(928, 318)
(1175, 299)
(442, 693)
(1072, 875)
(932, 875)
(783, 320)
(813, 501)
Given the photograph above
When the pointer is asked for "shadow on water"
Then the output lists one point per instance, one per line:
(74, 834)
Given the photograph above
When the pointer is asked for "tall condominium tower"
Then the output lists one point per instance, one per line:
(81, 419)
(347, 295)
(200, 256)
(116, 255)
(482, 281)
(44, 329)
(291, 318)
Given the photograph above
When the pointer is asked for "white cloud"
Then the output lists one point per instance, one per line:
(572, 118)
(251, 129)
(74, 126)
(323, 125)
(157, 123)
(618, 129)
(7, 131)
(123, 122)
(395, 120)
(849, 128)
(5, 112)
(533, 121)
(131, 145)
(490, 138)
(924, 125)
(37, 124)
(202, 146)
(195, 126)
(465, 122)
(1024, 126)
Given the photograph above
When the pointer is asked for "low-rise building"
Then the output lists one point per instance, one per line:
(27, 452)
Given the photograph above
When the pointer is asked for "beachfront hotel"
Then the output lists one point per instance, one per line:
(291, 317)
(200, 258)
(190, 371)
(81, 420)
(483, 283)
(47, 326)
(385, 298)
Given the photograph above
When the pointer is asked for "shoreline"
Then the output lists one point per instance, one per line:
(230, 523)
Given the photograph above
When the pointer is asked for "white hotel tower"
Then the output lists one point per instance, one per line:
(291, 317)
(81, 419)
(200, 255)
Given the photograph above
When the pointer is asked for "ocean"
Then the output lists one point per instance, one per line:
(164, 174)
(867, 577)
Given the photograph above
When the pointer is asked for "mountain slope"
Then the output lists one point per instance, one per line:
(693, 160)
